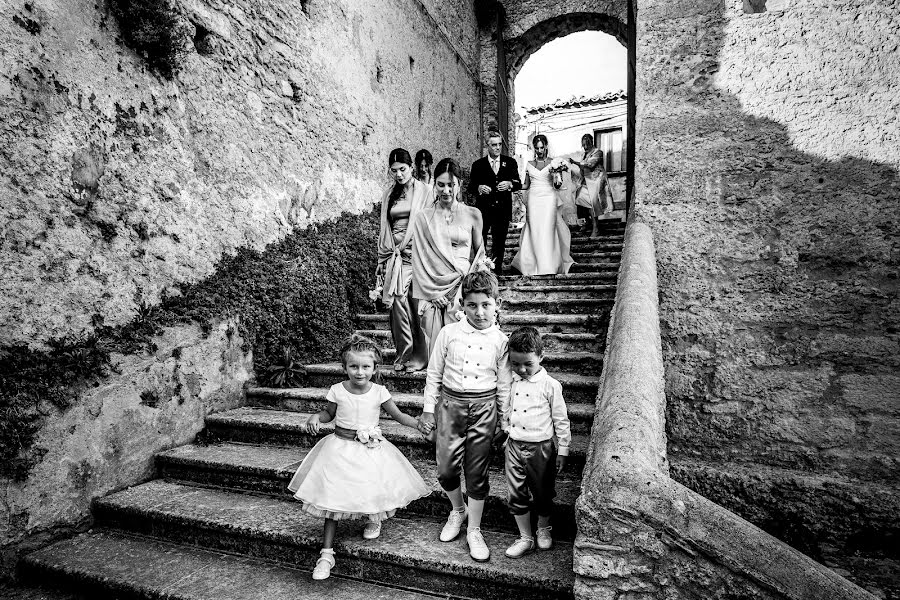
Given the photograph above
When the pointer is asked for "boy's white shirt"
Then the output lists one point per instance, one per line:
(467, 359)
(536, 411)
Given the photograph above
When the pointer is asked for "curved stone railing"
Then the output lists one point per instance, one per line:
(641, 534)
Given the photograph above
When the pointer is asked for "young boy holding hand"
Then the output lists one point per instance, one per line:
(468, 379)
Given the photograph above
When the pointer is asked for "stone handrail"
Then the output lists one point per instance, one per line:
(641, 534)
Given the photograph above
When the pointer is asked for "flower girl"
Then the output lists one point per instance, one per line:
(354, 472)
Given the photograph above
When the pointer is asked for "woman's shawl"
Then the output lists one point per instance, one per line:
(435, 273)
(389, 253)
(592, 165)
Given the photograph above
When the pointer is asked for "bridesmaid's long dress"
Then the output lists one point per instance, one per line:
(409, 340)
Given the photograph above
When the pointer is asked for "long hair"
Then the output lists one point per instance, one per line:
(448, 165)
(398, 155)
(425, 155)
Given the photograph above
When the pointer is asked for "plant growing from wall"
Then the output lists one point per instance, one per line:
(296, 300)
(158, 29)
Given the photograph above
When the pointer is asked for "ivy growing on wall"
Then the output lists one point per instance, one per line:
(158, 29)
(295, 299)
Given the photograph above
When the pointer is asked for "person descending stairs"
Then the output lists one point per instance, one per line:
(219, 521)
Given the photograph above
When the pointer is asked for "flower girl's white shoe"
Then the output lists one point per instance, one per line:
(324, 564)
(372, 530)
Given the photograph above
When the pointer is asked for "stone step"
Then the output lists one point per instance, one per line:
(591, 267)
(553, 342)
(408, 551)
(565, 279)
(268, 470)
(576, 388)
(584, 363)
(553, 292)
(606, 229)
(311, 399)
(576, 244)
(564, 306)
(250, 425)
(603, 225)
(545, 323)
(114, 565)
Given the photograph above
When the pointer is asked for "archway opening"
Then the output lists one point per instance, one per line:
(567, 85)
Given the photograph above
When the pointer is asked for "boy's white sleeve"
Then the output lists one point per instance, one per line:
(560, 416)
(504, 383)
(435, 372)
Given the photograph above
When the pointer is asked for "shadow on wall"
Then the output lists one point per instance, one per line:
(778, 298)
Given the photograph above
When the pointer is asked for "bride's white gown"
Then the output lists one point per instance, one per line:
(544, 246)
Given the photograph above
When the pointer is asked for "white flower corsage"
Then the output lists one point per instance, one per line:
(460, 315)
(370, 437)
(485, 264)
(375, 294)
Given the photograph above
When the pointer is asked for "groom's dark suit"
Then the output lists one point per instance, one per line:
(496, 207)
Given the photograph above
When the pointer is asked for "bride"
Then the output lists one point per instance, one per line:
(544, 246)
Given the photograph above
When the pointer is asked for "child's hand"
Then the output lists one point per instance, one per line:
(560, 463)
(500, 438)
(426, 423)
(312, 424)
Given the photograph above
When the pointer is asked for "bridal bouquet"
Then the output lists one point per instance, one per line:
(558, 166)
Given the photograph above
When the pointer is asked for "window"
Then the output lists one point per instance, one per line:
(610, 142)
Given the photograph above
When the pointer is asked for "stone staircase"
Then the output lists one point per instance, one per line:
(219, 522)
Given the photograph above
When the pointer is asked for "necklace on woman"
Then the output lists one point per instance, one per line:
(450, 213)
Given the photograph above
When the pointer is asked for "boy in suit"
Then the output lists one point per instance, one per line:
(493, 180)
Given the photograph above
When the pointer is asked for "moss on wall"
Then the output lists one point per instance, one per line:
(297, 296)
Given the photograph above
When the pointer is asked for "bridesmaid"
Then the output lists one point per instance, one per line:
(448, 245)
(401, 203)
(423, 166)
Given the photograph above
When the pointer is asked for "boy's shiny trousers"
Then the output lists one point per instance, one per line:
(464, 425)
(531, 474)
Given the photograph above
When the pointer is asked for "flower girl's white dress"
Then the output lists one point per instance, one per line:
(344, 478)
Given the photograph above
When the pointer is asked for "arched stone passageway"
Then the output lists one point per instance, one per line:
(513, 30)
(521, 47)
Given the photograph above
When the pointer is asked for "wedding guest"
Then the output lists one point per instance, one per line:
(494, 178)
(400, 204)
(545, 240)
(423, 166)
(595, 185)
(447, 245)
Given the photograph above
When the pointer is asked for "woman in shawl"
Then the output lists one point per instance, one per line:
(592, 193)
(447, 245)
(401, 203)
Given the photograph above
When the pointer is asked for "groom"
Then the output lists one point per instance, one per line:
(492, 181)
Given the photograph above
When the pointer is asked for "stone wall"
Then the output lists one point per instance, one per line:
(119, 184)
(768, 149)
(641, 534)
(107, 439)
